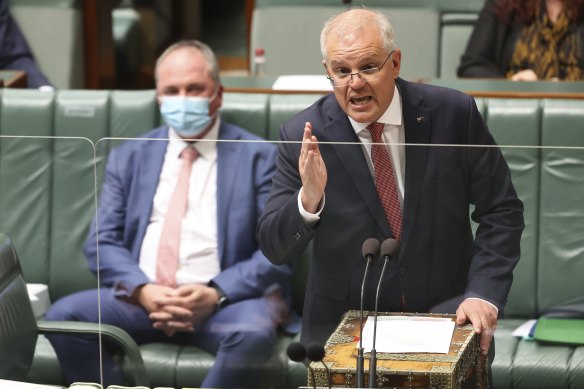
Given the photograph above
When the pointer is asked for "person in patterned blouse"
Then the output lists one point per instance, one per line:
(527, 40)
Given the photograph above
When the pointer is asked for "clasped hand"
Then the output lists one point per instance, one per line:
(177, 309)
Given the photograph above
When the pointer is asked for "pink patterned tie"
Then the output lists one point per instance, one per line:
(168, 248)
(385, 181)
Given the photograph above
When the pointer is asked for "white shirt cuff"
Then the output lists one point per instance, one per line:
(310, 218)
(491, 304)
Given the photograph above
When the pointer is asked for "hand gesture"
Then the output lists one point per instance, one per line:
(312, 171)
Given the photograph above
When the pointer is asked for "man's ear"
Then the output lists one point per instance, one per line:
(396, 61)
(218, 101)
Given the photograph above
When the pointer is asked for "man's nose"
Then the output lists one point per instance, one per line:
(356, 81)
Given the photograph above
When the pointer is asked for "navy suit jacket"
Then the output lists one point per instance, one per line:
(244, 172)
(439, 260)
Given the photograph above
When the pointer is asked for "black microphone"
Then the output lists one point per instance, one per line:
(389, 249)
(370, 251)
(315, 353)
(297, 353)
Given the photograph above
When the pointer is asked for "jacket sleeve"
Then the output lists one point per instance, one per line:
(254, 275)
(105, 248)
(498, 213)
(282, 233)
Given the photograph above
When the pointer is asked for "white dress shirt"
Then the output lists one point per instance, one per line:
(393, 135)
(198, 253)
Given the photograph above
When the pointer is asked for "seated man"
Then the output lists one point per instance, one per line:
(15, 53)
(175, 241)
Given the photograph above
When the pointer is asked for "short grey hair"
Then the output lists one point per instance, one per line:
(336, 25)
(204, 49)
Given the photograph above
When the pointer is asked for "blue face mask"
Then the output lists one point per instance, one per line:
(189, 116)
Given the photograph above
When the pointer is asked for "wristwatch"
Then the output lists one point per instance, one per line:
(222, 301)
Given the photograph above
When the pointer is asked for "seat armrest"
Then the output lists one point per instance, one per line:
(113, 333)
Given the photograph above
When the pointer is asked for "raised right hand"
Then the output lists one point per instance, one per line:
(312, 171)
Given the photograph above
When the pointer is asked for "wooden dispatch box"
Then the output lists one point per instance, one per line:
(463, 367)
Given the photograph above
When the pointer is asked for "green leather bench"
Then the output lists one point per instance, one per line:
(48, 188)
(47, 196)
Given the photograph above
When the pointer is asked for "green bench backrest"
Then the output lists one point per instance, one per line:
(47, 185)
(72, 194)
(515, 122)
(26, 172)
(561, 247)
(247, 110)
(283, 107)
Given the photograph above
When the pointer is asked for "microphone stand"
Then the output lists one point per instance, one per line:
(389, 247)
(297, 353)
(315, 353)
(370, 248)
(373, 357)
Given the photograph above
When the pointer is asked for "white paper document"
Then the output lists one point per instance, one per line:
(409, 334)
(302, 83)
(524, 329)
(39, 299)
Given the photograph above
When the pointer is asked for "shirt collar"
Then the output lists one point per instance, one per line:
(392, 115)
(206, 146)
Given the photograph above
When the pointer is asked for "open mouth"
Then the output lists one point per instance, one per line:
(360, 100)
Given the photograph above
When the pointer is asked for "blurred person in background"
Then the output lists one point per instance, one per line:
(527, 40)
(15, 53)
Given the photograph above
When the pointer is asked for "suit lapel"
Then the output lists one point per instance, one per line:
(150, 165)
(417, 125)
(228, 156)
(353, 161)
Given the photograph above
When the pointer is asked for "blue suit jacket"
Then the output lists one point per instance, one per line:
(439, 260)
(244, 173)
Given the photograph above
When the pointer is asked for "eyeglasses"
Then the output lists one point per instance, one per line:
(369, 74)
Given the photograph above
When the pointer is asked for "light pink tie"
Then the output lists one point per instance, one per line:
(385, 181)
(168, 248)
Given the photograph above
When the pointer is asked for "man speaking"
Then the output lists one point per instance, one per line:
(389, 182)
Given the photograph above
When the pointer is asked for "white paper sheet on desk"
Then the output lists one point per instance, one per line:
(407, 334)
(302, 83)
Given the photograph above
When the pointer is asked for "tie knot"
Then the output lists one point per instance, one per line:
(376, 130)
(189, 154)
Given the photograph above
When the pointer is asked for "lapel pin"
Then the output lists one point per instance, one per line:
(420, 119)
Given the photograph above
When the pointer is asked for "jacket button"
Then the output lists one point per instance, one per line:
(402, 271)
(298, 235)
